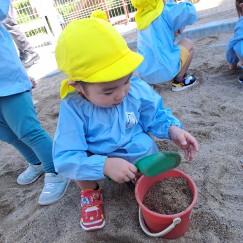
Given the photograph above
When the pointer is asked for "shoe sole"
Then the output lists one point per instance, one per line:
(182, 88)
(93, 228)
(35, 179)
(54, 200)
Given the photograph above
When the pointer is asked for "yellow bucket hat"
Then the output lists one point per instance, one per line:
(100, 14)
(147, 11)
(91, 50)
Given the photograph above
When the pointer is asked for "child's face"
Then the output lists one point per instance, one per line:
(239, 7)
(106, 94)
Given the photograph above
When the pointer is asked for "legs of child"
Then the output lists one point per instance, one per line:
(240, 66)
(233, 67)
(21, 128)
(183, 80)
(188, 44)
(237, 66)
(92, 215)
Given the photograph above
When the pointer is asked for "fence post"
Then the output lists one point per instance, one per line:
(126, 10)
(105, 9)
(46, 9)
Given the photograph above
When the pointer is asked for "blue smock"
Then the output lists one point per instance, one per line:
(14, 78)
(156, 43)
(235, 44)
(86, 134)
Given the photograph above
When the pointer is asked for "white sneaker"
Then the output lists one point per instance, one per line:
(31, 174)
(54, 188)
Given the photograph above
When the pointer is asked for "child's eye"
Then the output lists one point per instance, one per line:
(108, 93)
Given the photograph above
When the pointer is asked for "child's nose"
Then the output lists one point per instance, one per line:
(120, 95)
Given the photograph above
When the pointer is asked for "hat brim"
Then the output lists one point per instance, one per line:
(121, 68)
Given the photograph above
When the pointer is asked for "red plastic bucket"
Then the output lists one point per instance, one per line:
(161, 225)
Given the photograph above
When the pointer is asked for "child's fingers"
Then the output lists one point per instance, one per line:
(192, 152)
(131, 175)
(192, 143)
(126, 179)
(133, 168)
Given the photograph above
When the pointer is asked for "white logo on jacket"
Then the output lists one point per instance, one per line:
(131, 120)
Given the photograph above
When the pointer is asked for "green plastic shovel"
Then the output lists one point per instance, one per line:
(158, 163)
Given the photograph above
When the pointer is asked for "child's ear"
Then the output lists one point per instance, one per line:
(241, 6)
(75, 85)
(72, 83)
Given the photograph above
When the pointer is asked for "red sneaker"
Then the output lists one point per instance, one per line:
(92, 215)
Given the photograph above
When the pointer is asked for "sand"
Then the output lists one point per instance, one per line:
(211, 110)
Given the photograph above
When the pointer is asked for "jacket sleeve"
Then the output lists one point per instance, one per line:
(70, 150)
(155, 118)
(234, 47)
(230, 52)
(238, 48)
(180, 15)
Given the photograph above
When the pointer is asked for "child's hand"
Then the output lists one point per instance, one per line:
(32, 80)
(176, 33)
(119, 170)
(185, 141)
(179, 32)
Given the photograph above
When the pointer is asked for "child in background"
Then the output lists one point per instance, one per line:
(234, 48)
(157, 25)
(106, 114)
(26, 51)
(19, 125)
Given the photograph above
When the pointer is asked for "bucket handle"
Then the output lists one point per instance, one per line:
(162, 233)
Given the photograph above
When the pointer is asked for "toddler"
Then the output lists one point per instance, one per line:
(157, 25)
(234, 48)
(106, 114)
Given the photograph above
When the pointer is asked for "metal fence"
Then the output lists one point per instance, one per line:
(35, 26)
(40, 19)
(43, 20)
(117, 11)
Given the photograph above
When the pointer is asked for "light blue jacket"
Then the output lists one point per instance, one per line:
(235, 44)
(13, 76)
(108, 132)
(156, 43)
